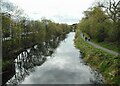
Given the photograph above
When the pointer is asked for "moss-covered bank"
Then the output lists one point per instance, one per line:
(107, 64)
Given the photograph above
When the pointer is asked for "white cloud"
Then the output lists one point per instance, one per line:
(64, 9)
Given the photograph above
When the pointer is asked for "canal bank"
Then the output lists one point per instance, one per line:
(64, 66)
(106, 64)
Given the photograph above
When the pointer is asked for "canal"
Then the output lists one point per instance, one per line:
(60, 64)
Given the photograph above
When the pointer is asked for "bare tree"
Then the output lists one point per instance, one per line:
(112, 8)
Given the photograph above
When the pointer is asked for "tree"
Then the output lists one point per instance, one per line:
(112, 8)
(94, 23)
(6, 20)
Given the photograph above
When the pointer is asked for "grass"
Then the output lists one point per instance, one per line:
(86, 35)
(112, 46)
(104, 62)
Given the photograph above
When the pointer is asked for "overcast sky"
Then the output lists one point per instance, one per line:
(62, 11)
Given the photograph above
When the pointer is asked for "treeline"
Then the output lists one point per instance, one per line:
(18, 31)
(101, 22)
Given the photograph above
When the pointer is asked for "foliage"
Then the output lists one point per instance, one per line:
(27, 33)
(19, 32)
(98, 25)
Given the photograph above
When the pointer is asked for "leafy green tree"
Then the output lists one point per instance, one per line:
(6, 21)
(94, 24)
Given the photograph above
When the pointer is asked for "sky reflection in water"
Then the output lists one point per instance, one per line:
(64, 67)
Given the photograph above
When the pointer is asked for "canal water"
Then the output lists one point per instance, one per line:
(63, 65)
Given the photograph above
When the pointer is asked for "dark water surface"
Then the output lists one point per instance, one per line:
(62, 64)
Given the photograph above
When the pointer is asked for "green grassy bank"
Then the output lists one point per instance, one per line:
(107, 64)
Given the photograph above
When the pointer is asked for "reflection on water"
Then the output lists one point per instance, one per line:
(63, 65)
(29, 59)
